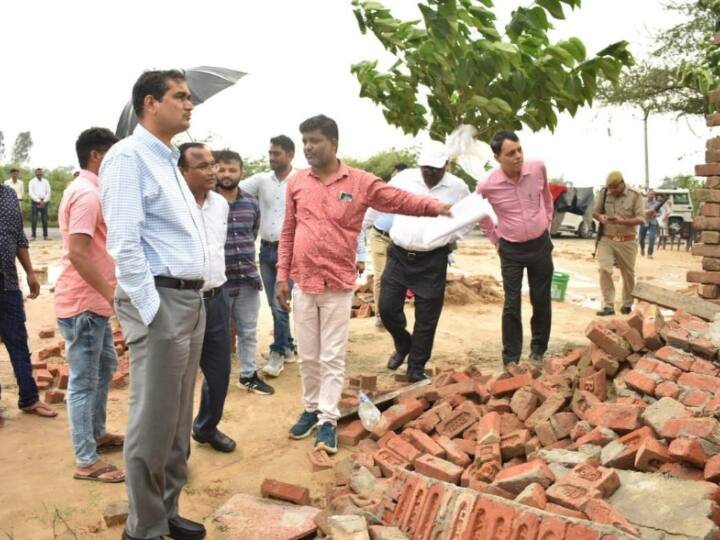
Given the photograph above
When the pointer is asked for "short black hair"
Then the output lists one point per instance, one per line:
(94, 138)
(400, 166)
(152, 83)
(14, 170)
(284, 142)
(227, 155)
(497, 140)
(326, 126)
(183, 148)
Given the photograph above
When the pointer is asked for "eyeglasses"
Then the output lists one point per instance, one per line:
(205, 167)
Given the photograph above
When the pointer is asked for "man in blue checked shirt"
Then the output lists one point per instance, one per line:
(157, 238)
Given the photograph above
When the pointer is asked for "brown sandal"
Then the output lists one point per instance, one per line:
(112, 442)
(97, 473)
(40, 409)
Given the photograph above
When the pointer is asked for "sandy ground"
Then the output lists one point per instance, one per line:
(39, 498)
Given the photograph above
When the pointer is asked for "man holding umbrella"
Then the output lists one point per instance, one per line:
(157, 238)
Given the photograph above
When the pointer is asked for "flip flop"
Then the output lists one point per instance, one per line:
(40, 409)
(114, 442)
(95, 475)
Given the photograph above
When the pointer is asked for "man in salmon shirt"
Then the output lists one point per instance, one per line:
(324, 210)
(83, 306)
(519, 193)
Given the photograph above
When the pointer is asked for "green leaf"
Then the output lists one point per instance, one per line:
(575, 47)
(553, 6)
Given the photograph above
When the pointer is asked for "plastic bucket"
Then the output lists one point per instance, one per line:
(559, 286)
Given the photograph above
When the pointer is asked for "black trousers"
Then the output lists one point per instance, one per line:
(535, 256)
(425, 274)
(214, 363)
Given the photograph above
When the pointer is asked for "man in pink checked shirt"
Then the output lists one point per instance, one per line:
(324, 211)
(519, 193)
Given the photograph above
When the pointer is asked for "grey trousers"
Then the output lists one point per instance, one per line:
(164, 358)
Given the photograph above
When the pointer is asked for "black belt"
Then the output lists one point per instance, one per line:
(268, 243)
(210, 293)
(383, 233)
(411, 255)
(175, 283)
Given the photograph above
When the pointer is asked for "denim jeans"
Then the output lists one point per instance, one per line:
(14, 335)
(282, 337)
(649, 231)
(244, 308)
(92, 361)
(34, 209)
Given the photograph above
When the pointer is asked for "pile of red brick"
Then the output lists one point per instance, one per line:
(643, 395)
(51, 370)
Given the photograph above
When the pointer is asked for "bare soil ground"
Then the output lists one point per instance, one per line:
(40, 500)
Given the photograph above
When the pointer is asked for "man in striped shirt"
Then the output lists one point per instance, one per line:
(243, 280)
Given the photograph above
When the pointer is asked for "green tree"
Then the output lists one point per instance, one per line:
(255, 165)
(21, 148)
(675, 79)
(455, 67)
(383, 163)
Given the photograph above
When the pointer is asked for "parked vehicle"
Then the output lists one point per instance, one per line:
(573, 213)
(682, 206)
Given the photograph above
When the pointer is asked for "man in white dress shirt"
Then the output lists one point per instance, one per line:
(417, 265)
(16, 183)
(39, 189)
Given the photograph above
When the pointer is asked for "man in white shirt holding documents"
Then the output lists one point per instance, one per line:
(418, 264)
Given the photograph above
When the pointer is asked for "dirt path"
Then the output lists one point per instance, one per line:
(39, 499)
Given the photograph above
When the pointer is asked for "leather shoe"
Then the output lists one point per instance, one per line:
(395, 361)
(218, 440)
(184, 529)
(416, 376)
(625, 310)
(536, 358)
(605, 312)
(126, 536)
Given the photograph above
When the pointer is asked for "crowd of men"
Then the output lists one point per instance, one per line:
(164, 238)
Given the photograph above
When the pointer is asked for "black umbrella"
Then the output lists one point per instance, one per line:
(204, 82)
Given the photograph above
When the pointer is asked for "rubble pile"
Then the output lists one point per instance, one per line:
(51, 371)
(460, 290)
(543, 451)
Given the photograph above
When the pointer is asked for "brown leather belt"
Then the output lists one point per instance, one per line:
(620, 238)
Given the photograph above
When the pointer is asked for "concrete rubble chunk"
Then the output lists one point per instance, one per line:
(246, 517)
(348, 528)
(566, 458)
(654, 504)
(663, 410)
(116, 513)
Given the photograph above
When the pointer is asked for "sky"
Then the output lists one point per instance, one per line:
(73, 67)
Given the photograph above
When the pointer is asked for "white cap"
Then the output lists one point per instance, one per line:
(433, 154)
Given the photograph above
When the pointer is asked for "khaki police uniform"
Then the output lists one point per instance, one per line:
(618, 243)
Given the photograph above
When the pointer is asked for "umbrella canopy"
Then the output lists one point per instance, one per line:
(203, 81)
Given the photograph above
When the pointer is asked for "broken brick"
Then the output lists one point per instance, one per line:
(510, 384)
(615, 416)
(283, 491)
(488, 428)
(533, 495)
(351, 434)
(54, 396)
(688, 450)
(515, 479)
(651, 454)
(607, 340)
(457, 422)
(438, 468)
(637, 380)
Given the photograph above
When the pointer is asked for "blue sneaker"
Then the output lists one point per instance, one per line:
(326, 438)
(304, 426)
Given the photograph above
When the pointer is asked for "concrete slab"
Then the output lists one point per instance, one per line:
(665, 508)
(245, 517)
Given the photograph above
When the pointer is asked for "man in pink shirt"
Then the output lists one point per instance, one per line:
(83, 306)
(519, 193)
(324, 210)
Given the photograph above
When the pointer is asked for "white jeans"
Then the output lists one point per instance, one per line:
(321, 330)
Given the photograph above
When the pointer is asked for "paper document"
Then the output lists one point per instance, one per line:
(465, 212)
